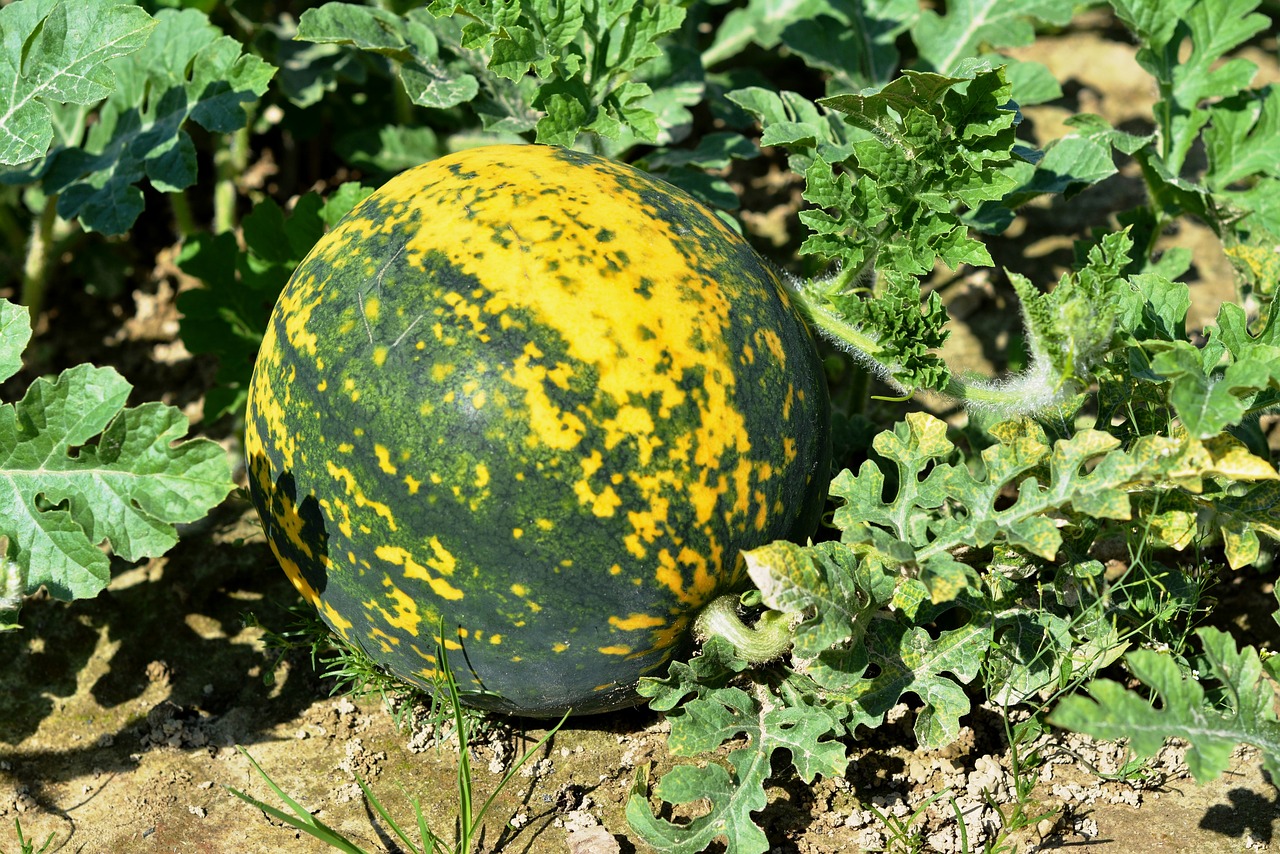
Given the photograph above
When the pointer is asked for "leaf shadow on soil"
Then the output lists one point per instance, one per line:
(169, 633)
(1248, 812)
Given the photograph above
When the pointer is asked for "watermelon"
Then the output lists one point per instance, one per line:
(529, 404)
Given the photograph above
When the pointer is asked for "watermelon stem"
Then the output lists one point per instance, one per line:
(1040, 388)
(769, 638)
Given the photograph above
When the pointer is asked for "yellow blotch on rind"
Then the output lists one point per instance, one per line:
(616, 649)
(348, 480)
(412, 569)
(634, 622)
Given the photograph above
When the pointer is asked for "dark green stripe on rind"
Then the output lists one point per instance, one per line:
(545, 397)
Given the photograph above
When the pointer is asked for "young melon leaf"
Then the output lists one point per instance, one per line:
(188, 70)
(924, 150)
(587, 58)
(79, 470)
(1070, 328)
(1246, 715)
(58, 53)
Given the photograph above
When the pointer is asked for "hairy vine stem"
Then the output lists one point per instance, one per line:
(769, 638)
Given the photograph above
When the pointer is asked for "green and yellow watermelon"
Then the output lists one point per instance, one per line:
(543, 400)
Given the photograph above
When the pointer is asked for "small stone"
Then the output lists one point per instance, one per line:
(158, 673)
(593, 840)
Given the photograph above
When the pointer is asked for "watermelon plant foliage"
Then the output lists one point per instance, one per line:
(79, 470)
(1245, 712)
(227, 316)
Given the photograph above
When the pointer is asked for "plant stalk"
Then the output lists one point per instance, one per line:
(36, 268)
(183, 220)
(769, 638)
(231, 160)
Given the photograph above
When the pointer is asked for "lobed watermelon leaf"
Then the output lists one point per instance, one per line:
(790, 718)
(1246, 714)
(945, 39)
(79, 470)
(188, 70)
(58, 52)
(410, 43)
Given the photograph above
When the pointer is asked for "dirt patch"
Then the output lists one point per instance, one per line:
(120, 717)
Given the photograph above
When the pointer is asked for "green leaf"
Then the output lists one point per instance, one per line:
(188, 70)
(910, 661)
(388, 149)
(1247, 713)
(1189, 81)
(941, 505)
(79, 471)
(922, 150)
(1208, 401)
(1208, 396)
(1068, 331)
(1243, 138)
(1154, 308)
(1152, 21)
(228, 316)
(930, 148)
(15, 332)
(58, 53)
(759, 22)
(795, 722)
(1078, 160)
(1216, 28)
(854, 41)
(944, 40)
(797, 124)
(410, 43)
(589, 60)
(837, 593)
(1028, 651)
